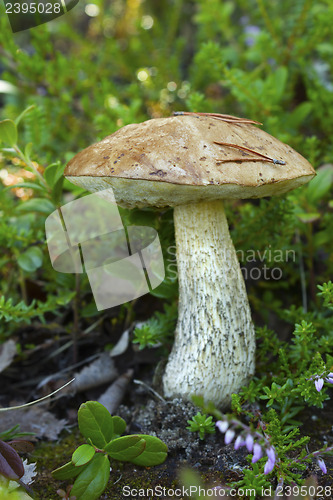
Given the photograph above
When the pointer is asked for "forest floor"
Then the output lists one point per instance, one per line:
(54, 424)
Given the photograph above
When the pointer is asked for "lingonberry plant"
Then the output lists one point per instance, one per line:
(90, 463)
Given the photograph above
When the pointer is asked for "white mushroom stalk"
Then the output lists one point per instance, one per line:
(214, 349)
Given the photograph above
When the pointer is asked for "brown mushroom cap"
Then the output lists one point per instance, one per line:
(173, 161)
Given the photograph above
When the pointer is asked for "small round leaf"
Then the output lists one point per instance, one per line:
(91, 483)
(31, 259)
(83, 455)
(155, 452)
(95, 423)
(8, 132)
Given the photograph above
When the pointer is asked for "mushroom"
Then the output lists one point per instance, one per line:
(193, 162)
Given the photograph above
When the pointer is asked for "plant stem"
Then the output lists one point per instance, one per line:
(76, 326)
(29, 163)
(76, 301)
(23, 286)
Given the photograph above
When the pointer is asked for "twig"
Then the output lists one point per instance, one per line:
(248, 150)
(219, 116)
(146, 386)
(37, 400)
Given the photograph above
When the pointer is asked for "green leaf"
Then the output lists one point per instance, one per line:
(37, 205)
(65, 297)
(53, 172)
(67, 471)
(83, 454)
(308, 217)
(126, 448)
(322, 238)
(31, 259)
(89, 310)
(278, 79)
(155, 452)
(321, 184)
(119, 425)
(24, 112)
(300, 113)
(91, 483)
(28, 149)
(8, 132)
(95, 423)
(166, 290)
(31, 185)
(57, 190)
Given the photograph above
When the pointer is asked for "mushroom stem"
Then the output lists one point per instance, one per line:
(213, 353)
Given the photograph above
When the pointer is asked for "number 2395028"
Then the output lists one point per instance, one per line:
(33, 8)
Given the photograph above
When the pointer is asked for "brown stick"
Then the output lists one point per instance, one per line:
(238, 159)
(248, 150)
(219, 116)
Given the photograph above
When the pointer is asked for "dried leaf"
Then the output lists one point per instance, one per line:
(100, 371)
(7, 353)
(21, 445)
(113, 396)
(11, 465)
(121, 345)
(36, 420)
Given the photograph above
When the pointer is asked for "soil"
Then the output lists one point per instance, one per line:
(215, 463)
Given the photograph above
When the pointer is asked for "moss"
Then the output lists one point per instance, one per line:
(162, 476)
(49, 456)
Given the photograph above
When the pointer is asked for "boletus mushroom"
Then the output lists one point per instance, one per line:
(193, 162)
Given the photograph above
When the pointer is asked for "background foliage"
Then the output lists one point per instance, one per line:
(85, 76)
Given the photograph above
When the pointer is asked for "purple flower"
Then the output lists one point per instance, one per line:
(322, 465)
(257, 452)
(249, 442)
(222, 425)
(329, 378)
(239, 442)
(252, 32)
(229, 436)
(271, 454)
(319, 382)
(269, 466)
